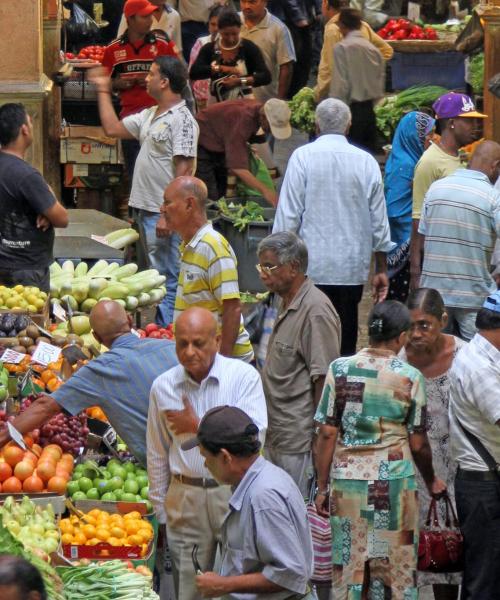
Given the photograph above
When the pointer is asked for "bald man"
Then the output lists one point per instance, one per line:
(119, 381)
(208, 273)
(185, 496)
(460, 223)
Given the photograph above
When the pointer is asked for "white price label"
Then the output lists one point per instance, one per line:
(45, 353)
(59, 312)
(11, 356)
(16, 436)
(413, 11)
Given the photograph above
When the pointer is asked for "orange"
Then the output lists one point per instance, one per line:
(67, 538)
(79, 538)
(115, 541)
(145, 534)
(66, 526)
(132, 526)
(117, 532)
(32, 484)
(47, 375)
(102, 533)
(93, 541)
(89, 531)
(13, 455)
(133, 515)
(90, 520)
(95, 512)
(134, 540)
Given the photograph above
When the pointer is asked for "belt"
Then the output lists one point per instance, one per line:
(202, 482)
(477, 475)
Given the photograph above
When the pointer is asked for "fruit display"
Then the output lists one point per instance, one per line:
(402, 29)
(4, 383)
(123, 481)
(82, 287)
(152, 330)
(113, 529)
(34, 526)
(91, 53)
(96, 412)
(20, 297)
(35, 470)
(67, 431)
(113, 579)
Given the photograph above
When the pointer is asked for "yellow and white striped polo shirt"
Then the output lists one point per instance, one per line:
(208, 276)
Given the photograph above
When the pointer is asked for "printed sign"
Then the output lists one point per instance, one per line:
(45, 353)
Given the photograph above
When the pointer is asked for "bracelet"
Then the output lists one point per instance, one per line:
(244, 81)
(324, 492)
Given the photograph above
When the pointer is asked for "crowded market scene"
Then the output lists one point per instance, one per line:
(250, 333)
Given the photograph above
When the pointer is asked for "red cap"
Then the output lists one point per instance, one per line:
(138, 7)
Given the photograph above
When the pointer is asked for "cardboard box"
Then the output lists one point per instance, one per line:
(88, 145)
(92, 176)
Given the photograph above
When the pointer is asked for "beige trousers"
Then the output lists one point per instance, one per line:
(194, 516)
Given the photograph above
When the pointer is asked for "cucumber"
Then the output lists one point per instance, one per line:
(97, 268)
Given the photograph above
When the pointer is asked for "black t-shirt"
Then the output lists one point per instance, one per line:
(24, 194)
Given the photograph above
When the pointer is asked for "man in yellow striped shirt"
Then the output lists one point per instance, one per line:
(332, 36)
(208, 274)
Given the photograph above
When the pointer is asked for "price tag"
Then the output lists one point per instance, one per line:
(413, 11)
(16, 436)
(59, 312)
(45, 353)
(11, 356)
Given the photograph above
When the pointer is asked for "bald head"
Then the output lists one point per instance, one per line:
(190, 187)
(486, 159)
(197, 341)
(196, 319)
(109, 321)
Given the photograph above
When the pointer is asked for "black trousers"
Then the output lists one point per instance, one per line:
(39, 278)
(130, 150)
(345, 299)
(363, 127)
(303, 42)
(211, 169)
(478, 508)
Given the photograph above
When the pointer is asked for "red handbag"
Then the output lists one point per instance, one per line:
(441, 550)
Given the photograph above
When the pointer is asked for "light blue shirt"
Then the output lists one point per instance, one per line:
(119, 381)
(266, 531)
(333, 198)
(460, 221)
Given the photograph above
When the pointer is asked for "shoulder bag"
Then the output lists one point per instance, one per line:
(321, 534)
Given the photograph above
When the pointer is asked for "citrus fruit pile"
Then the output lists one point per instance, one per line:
(99, 526)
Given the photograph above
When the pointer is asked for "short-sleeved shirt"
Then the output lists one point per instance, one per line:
(460, 221)
(119, 381)
(217, 136)
(374, 399)
(474, 402)
(434, 164)
(24, 194)
(266, 531)
(208, 275)
(304, 341)
(275, 42)
(122, 58)
(162, 137)
(169, 22)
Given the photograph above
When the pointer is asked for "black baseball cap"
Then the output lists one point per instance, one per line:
(223, 425)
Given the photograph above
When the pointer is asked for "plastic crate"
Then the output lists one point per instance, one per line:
(77, 87)
(446, 69)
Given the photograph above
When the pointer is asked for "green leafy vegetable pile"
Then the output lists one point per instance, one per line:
(303, 107)
(476, 72)
(242, 214)
(392, 108)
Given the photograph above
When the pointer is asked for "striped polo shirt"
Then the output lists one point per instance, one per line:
(208, 275)
(460, 221)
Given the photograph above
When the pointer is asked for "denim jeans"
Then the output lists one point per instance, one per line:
(461, 322)
(163, 254)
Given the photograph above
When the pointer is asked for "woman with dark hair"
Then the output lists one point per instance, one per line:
(371, 435)
(20, 580)
(410, 140)
(233, 64)
(432, 352)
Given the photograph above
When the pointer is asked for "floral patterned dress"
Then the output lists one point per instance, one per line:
(438, 427)
(375, 400)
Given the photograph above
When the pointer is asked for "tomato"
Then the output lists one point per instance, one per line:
(70, 55)
(156, 335)
(401, 34)
(151, 327)
(391, 25)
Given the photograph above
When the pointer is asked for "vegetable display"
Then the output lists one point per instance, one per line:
(402, 29)
(303, 107)
(242, 214)
(110, 580)
(91, 52)
(152, 330)
(392, 108)
(121, 238)
(476, 72)
(82, 287)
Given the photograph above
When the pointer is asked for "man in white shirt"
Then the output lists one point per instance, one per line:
(474, 429)
(333, 197)
(359, 77)
(168, 134)
(185, 497)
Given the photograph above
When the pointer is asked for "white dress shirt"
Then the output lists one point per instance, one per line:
(333, 198)
(229, 382)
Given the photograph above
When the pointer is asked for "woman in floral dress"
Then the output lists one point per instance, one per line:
(432, 352)
(371, 435)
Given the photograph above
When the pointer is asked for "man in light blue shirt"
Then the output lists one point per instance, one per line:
(119, 380)
(333, 198)
(460, 223)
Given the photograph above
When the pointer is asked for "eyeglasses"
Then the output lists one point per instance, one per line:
(422, 325)
(266, 270)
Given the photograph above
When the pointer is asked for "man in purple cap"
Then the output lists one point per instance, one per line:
(266, 542)
(459, 125)
(475, 446)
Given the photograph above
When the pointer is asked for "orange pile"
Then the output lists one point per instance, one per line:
(99, 526)
(22, 471)
(96, 412)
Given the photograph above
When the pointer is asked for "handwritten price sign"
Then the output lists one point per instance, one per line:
(12, 357)
(45, 353)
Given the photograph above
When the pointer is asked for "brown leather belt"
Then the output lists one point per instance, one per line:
(196, 481)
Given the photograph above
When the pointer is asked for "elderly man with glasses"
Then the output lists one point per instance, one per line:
(305, 339)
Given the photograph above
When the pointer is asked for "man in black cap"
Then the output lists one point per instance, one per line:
(266, 542)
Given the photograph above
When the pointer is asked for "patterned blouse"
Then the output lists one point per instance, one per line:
(375, 399)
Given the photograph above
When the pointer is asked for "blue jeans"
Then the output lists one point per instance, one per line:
(461, 322)
(163, 254)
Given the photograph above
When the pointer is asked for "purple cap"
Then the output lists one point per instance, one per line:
(454, 105)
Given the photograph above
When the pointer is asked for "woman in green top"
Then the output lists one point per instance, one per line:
(372, 433)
